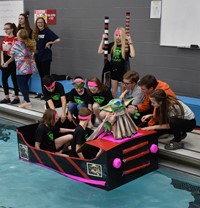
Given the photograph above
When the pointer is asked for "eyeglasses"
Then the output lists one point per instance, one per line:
(126, 83)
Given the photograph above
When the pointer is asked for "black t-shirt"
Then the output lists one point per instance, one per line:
(85, 98)
(79, 137)
(102, 98)
(44, 54)
(46, 137)
(117, 62)
(55, 96)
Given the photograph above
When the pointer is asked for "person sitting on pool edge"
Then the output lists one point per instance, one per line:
(78, 97)
(47, 134)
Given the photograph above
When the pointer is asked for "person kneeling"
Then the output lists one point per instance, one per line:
(172, 114)
(47, 132)
(81, 133)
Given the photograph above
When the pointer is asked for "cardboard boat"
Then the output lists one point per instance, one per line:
(119, 161)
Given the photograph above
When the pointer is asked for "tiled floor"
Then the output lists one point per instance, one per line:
(190, 153)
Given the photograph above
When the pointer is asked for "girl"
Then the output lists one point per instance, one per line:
(22, 52)
(24, 24)
(46, 133)
(101, 95)
(78, 98)
(171, 114)
(5, 47)
(45, 38)
(119, 57)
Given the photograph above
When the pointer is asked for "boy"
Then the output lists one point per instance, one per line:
(81, 133)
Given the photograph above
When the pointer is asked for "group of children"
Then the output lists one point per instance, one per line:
(153, 99)
(23, 52)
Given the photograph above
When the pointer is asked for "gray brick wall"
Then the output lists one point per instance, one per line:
(80, 26)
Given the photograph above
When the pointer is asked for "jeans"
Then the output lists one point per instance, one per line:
(74, 108)
(22, 81)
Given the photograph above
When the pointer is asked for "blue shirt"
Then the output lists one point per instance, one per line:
(44, 54)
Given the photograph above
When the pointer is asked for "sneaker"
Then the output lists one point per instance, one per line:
(42, 97)
(5, 101)
(39, 95)
(174, 146)
(15, 101)
(25, 105)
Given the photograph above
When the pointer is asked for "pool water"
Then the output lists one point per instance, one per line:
(25, 185)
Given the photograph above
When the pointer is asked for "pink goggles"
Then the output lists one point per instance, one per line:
(92, 84)
(84, 117)
(50, 86)
(78, 81)
(117, 32)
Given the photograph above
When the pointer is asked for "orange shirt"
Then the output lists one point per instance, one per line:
(145, 105)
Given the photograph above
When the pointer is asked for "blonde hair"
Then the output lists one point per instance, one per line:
(123, 41)
(30, 44)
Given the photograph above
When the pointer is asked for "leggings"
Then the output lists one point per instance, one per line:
(6, 72)
(180, 126)
(43, 69)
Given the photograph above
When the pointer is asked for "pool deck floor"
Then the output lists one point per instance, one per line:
(186, 160)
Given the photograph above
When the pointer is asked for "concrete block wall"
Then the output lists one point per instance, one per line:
(80, 26)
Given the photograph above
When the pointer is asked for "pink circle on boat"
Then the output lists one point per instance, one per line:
(117, 163)
(154, 148)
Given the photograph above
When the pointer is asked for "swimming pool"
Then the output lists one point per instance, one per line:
(24, 185)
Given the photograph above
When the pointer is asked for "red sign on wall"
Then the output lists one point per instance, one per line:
(51, 17)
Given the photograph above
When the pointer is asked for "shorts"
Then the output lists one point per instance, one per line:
(117, 75)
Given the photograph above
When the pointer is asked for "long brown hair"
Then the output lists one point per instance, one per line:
(101, 86)
(36, 29)
(167, 104)
(26, 24)
(30, 44)
(48, 118)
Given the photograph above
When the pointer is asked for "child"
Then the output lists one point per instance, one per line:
(46, 133)
(78, 98)
(119, 57)
(81, 132)
(101, 95)
(132, 89)
(45, 39)
(22, 52)
(5, 47)
(54, 96)
(171, 114)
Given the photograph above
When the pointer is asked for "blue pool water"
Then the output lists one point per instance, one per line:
(24, 185)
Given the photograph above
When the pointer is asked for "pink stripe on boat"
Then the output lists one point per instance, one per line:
(112, 139)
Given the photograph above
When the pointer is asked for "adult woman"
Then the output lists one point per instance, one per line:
(5, 47)
(119, 57)
(22, 52)
(45, 38)
(24, 24)
(171, 114)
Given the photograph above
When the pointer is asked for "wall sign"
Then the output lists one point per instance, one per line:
(49, 15)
